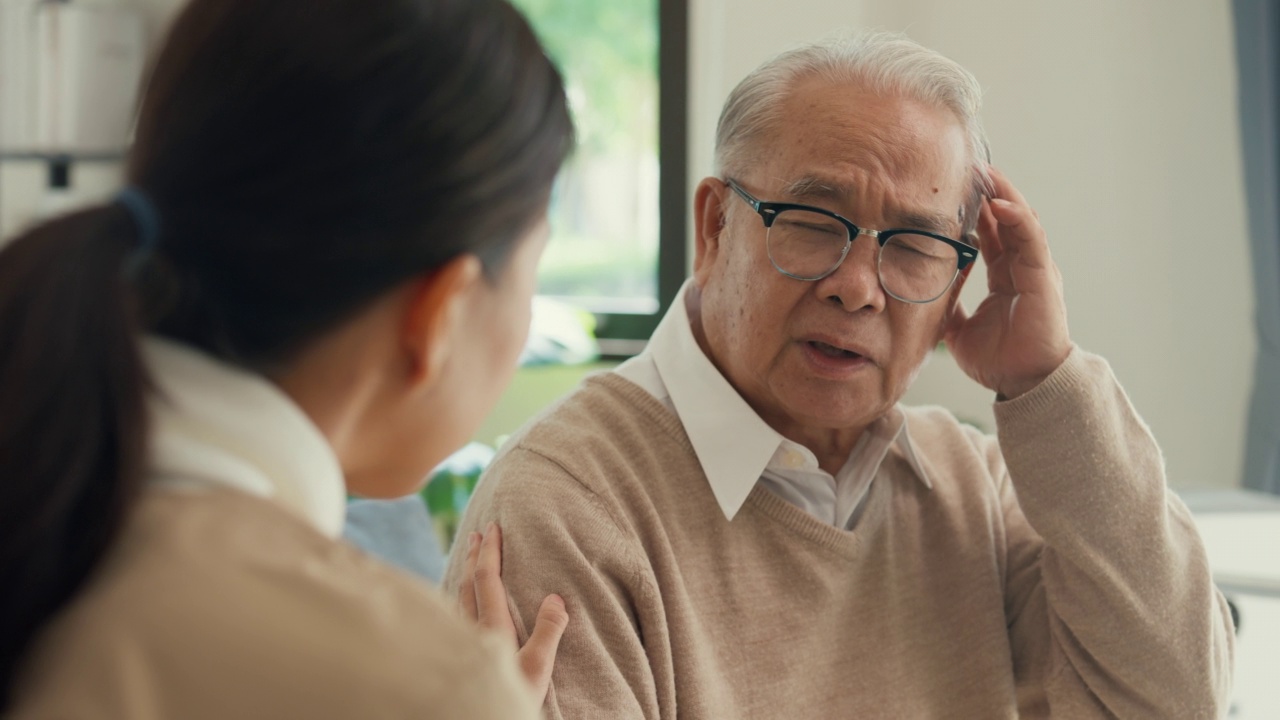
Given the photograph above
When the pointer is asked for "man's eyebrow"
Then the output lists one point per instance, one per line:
(811, 189)
(936, 223)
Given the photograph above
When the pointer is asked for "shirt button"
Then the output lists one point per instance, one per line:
(793, 459)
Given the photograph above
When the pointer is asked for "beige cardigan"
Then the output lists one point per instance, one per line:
(222, 605)
(1048, 573)
(230, 596)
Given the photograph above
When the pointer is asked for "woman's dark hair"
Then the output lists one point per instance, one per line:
(304, 157)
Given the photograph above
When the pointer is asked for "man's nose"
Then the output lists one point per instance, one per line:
(855, 285)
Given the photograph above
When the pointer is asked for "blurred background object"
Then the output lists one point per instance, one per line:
(560, 334)
(69, 78)
(1241, 533)
(604, 214)
(449, 488)
(400, 532)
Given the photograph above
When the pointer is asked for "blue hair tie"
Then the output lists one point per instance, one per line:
(144, 215)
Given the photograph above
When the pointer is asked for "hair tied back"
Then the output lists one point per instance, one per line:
(147, 219)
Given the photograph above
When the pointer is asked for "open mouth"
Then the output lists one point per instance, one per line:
(832, 351)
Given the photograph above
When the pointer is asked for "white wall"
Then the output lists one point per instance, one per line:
(1118, 121)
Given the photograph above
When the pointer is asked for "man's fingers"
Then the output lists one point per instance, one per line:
(1004, 188)
(467, 588)
(1018, 224)
(988, 234)
(537, 657)
(1020, 232)
(492, 610)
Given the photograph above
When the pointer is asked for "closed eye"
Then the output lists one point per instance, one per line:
(790, 222)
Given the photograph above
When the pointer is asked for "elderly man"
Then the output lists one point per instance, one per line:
(744, 522)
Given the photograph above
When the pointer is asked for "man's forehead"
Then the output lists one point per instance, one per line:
(834, 192)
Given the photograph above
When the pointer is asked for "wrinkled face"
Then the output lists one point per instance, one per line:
(837, 353)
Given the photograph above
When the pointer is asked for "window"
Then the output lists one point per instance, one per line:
(618, 213)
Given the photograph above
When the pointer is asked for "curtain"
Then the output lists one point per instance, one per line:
(1257, 24)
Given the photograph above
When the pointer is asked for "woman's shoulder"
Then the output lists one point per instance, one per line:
(227, 603)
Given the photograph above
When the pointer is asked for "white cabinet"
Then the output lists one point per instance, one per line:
(1241, 532)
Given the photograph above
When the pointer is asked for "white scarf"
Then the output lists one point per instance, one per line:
(214, 425)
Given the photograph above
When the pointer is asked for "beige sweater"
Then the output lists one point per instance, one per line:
(219, 604)
(1058, 578)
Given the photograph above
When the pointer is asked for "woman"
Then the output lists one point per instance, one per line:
(317, 283)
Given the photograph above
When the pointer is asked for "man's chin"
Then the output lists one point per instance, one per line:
(840, 410)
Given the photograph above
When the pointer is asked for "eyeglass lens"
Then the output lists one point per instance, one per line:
(809, 246)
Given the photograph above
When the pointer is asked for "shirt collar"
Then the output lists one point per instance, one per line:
(214, 425)
(890, 431)
(909, 450)
(733, 444)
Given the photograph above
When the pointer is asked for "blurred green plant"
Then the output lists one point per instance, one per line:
(608, 54)
(450, 487)
(604, 211)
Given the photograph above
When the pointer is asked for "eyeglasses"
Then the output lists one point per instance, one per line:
(809, 243)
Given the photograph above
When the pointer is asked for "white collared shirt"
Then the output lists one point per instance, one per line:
(737, 449)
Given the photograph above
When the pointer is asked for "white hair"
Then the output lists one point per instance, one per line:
(884, 63)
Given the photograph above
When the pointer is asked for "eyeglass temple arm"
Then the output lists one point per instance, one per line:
(754, 203)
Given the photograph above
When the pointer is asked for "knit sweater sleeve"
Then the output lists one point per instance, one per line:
(560, 537)
(1111, 605)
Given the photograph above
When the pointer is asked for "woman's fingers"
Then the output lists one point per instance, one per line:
(483, 598)
(537, 657)
(492, 610)
(467, 588)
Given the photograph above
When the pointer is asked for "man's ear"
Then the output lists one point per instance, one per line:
(435, 310)
(708, 226)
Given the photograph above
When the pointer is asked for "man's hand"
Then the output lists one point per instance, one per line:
(483, 598)
(1018, 335)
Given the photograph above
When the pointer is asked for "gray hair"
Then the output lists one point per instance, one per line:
(886, 63)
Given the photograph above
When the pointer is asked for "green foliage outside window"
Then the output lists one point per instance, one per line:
(604, 247)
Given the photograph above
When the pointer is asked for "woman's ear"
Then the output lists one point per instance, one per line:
(434, 316)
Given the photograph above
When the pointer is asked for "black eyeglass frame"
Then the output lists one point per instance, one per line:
(768, 212)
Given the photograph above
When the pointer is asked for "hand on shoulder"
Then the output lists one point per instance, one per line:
(482, 597)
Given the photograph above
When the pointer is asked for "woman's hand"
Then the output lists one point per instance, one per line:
(484, 599)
